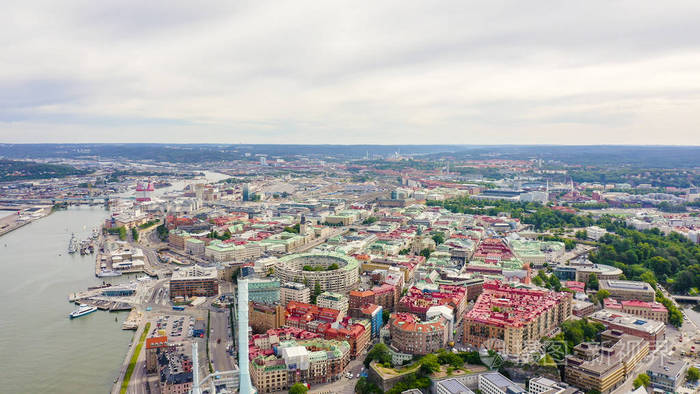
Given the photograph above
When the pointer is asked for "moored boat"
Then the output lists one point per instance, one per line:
(82, 310)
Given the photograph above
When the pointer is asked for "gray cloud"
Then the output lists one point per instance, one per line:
(354, 72)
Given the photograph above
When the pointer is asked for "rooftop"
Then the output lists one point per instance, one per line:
(454, 386)
(516, 306)
(627, 320)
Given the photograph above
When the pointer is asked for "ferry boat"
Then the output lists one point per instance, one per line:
(108, 273)
(82, 311)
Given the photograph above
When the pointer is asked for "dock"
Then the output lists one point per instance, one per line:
(103, 305)
(132, 321)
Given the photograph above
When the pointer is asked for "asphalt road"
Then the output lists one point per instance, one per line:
(217, 351)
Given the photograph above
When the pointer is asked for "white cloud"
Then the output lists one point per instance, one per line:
(351, 72)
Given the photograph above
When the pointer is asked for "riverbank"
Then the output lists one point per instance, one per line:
(24, 216)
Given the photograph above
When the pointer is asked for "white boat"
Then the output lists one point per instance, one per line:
(108, 273)
(82, 311)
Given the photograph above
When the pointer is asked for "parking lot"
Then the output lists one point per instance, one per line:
(175, 327)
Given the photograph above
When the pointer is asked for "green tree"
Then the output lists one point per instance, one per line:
(554, 283)
(648, 277)
(592, 282)
(379, 353)
(537, 280)
(317, 291)
(425, 253)
(581, 234)
(429, 364)
(298, 388)
(692, 375)
(439, 238)
(569, 244)
(386, 315)
(641, 380)
(601, 295)
(135, 233)
(364, 386)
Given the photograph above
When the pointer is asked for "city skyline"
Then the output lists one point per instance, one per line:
(308, 73)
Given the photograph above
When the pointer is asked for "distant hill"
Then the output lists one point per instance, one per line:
(628, 155)
(13, 170)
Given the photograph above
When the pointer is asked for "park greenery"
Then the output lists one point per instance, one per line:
(148, 224)
(135, 233)
(293, 229)
(162, 232)
(548, 281)
(648, 255)
(213, 234)
(541, 217)
(574, 332)
(370, 220)
(313, 268)
(121, 231)
(424, 367)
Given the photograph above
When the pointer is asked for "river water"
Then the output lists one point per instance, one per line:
(41, 349)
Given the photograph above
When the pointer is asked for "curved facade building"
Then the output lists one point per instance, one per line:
(341, 280)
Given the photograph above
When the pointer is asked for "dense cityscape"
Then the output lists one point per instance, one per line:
(367, 269)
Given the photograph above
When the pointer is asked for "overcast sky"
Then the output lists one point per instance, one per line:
(520, 72)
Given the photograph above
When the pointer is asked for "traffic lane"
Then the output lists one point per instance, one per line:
(218, 340)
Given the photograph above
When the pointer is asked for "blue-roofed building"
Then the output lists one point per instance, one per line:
(452, 386)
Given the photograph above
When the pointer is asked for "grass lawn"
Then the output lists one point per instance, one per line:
(134, 357)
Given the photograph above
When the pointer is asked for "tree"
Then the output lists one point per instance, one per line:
(298, 388)
(429, 364)
(642, 380)
(425, 253)
(135, 233)
(364, 386)
(581, 234)
(537, 280)
(592, 282)
(692, 375)
(439, 238)
(569, 244)
(379, 353)
(648, 277)
(601, 295)
(386, 315)
(317, 291)
(554, 283)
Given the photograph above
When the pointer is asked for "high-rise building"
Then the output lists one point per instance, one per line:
(246, 192)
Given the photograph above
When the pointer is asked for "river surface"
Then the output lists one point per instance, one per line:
(42, 349)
